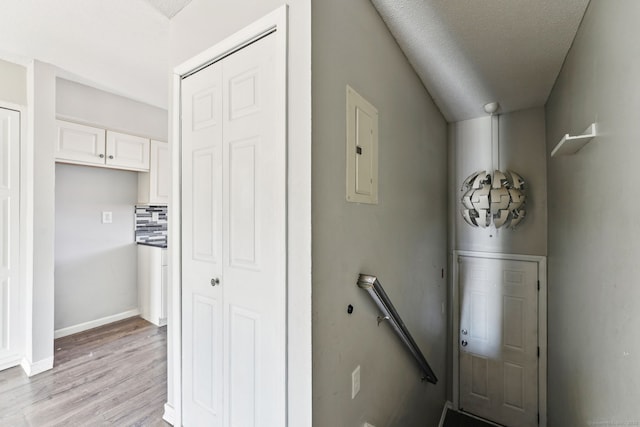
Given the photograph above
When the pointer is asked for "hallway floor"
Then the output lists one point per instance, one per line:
(112, 375)
(459, 419)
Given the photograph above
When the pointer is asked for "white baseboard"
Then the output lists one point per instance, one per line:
(34, 368)
(447, 405)
(169, 414)
(95, 323)
(9, 360)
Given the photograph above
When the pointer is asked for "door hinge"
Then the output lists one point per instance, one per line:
(538, 418)
(538, 352)
(538, 284)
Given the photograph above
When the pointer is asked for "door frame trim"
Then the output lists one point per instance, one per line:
(542, 322)
(298, 376)
(17, 326)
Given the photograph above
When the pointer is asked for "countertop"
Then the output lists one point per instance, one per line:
(162, 245)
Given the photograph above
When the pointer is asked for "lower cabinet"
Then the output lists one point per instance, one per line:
(152, 284)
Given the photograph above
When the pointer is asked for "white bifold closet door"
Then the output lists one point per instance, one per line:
(234, 242)
(9, 237)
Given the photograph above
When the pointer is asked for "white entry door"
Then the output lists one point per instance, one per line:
(234, 241)
(9, 234)
(498, 340)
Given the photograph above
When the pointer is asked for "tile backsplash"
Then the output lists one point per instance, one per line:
(151, 224)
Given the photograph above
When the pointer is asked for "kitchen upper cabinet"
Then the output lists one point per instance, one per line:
(127, 151)
(88, 145)
(80, 144)
(153, 186)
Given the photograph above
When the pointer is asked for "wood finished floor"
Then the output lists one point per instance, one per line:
(459, 419)
(115, 375)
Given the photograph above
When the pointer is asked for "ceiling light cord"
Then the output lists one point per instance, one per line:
(493, 199)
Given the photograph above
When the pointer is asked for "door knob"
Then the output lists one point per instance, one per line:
(111, 157)
(464, 343)
(215, 281)
(464, 332)
(101, 156)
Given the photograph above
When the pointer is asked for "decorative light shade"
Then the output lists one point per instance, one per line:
(496, 198)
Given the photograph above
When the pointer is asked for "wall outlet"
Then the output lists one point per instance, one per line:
(355, 382)
(107, 217)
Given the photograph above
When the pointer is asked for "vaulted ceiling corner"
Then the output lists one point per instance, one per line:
(468, 53)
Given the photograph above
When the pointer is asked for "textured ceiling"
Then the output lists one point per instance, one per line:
(468, 53)
(169, 7)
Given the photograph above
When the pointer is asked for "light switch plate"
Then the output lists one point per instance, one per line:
(355, 382)
(107, 217)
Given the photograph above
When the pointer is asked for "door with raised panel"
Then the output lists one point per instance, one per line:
(202, 320)
(9, 232)
(127, 151)
(77, 143)
(160, 182)
(498, 340)
(234, 242)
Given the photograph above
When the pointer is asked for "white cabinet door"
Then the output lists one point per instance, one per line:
(79, 143)
(127, 151)
(498, 340)
(164, 288)
(9, 233)
(159, 170)
(234, 242)
(154, 186)
(152, 279)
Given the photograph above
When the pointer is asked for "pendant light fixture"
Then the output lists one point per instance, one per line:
(493, 197)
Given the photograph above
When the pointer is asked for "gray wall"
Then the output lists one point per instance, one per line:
(85, 104)
(95, 263)
(522, 150)
(402, 239)
(594, 248)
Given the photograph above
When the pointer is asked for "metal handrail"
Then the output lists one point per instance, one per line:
(375, 290)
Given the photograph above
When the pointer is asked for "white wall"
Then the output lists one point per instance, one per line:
(13, 83)
(85, 104)
(402, 240)
(37, 192)
(95, 263)
(199, 26)
(120, 45)
(593, 225)
(522, 150)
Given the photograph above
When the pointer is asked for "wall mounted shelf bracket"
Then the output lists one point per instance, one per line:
(572, 144)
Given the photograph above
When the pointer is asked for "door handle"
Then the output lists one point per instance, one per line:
(111, 157)
(101, 156)
(215, 281)
(464, 343)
